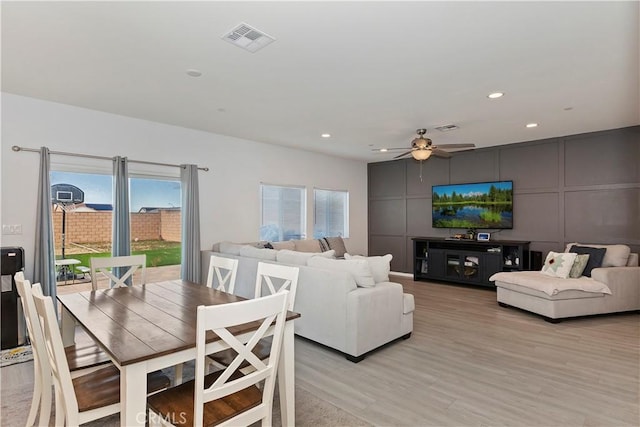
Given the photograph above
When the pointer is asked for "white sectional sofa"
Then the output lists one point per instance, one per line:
(612, 288)
(335, 311)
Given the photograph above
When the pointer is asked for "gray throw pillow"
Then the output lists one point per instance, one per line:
(596, 255)
(578, 266)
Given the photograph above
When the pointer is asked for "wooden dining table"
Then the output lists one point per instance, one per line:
(149, 327)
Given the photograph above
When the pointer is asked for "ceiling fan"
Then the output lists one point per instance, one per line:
(422, 148)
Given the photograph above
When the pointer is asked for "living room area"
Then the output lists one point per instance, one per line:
(336, 103)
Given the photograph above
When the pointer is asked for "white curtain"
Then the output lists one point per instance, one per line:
(121, 229)
(190, 269)
(44, 271)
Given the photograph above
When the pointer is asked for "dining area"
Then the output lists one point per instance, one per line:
(141, 333)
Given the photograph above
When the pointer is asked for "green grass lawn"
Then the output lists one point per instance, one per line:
(167, 255)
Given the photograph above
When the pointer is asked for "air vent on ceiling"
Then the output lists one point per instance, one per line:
(248, 38)
(447, 128)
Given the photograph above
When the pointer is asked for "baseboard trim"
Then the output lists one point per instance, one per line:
(397, 273)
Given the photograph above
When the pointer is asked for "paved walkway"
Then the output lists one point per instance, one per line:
(153, 274)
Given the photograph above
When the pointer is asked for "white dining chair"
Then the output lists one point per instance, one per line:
(227, 397)
(82, 358)
(106, 266)
(87, 397)
(270, 279)
(222, 273)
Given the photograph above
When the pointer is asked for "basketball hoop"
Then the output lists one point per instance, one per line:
(67, 197)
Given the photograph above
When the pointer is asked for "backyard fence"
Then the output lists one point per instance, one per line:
(94, 227)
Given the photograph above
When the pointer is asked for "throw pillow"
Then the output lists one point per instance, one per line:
(615, 255)
(578, 266)
(337, 244)
(380, 265)
(251, 252)
(359, 268)
(284, 245)
(299, 258)
(310, 245)
(558, 264)
(596, 255)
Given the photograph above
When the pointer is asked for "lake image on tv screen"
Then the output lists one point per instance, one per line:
(478, 205)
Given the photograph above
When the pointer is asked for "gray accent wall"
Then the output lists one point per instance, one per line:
(580, 188)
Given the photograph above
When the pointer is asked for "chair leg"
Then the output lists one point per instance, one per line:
(177, 374)
(45, 401)
(60, 412)
(37, 394)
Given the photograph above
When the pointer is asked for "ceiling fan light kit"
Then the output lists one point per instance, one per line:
(421, 154)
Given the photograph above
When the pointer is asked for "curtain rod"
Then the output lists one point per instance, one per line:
(91, 156)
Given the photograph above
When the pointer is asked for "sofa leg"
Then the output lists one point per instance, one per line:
(501, 304)
(407, 336)
(551, 320)
(355, 359)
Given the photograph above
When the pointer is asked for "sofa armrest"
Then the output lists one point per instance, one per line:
(617, 276)
(374, 316)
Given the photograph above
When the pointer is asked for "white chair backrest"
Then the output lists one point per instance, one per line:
(106, 266)
(42, 370)
(66, 400)
(222, 273)
(218, 318)
(275, 278)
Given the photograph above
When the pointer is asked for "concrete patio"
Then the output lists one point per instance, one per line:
(153, 274)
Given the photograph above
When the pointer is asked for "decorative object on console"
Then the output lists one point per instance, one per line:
(484, 237)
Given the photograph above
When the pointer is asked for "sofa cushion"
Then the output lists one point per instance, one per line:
(251, 252)
(558, 264)
(309, 245)
(578, 265)
(230, 248)
(289, 245)
(615, 255)
(335, 243)
(300, 258)
(380, 266)
(595, 257)
(359, 268)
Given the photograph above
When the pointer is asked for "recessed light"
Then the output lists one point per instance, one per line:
(194, 73)
(495, 95)
(532, 125)
(383, 150)
(326, 135)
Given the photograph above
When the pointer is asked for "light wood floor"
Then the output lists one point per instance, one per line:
(470, 362)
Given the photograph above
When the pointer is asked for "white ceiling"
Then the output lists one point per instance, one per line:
(369, 73)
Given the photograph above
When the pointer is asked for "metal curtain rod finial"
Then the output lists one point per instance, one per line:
(91, 156)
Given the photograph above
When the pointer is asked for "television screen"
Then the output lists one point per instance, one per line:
(477, 205)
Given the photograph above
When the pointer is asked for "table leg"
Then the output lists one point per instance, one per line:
(133, 394)
(286, 377)
(68, 328)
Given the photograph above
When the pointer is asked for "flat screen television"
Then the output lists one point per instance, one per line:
(485, 205)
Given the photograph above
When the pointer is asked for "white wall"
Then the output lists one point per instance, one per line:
(229, 192)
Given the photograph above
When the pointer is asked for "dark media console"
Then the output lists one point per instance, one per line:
(467, 261)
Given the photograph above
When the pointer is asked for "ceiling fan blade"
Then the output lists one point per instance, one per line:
(388, 149)
(456, 145)
(403, 154)
(440, 153)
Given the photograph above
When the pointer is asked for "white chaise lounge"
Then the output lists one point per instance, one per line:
(612, 288)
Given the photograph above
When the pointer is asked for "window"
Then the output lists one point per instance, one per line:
(283, 213)
(331, 210)
(154, 204)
